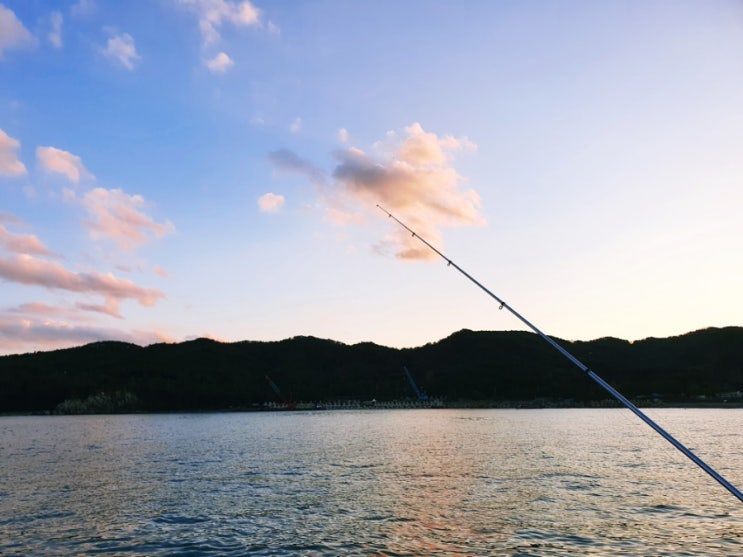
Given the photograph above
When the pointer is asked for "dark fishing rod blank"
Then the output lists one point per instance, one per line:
(603, 384)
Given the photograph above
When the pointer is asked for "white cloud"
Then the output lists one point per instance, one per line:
(13, 34)
(296, 126)
(343, 135)
(83, 8)
(121, 49)
(55, 34)
(220, 63)
(273, 28)
(56, 160)
(271, 203)
(213, 13)
(116, 215)
(9, 163)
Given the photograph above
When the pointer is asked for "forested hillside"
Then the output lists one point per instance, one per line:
(494, 367)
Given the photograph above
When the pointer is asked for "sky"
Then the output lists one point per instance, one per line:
(175, 169)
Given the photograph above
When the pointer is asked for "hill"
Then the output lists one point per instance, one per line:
(467, 366)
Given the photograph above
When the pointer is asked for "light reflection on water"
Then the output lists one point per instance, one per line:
(378, 482)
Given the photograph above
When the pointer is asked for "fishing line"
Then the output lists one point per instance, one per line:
(584, 368)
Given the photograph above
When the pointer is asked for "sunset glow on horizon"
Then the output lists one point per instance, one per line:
(211, 168)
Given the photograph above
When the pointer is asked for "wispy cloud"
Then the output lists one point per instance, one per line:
(13, 34)
(46, 310)
(83, 8)
(10, 218)
(55, 33)
(110, 308)
(121, 49)
(213, 13)
(159, 271)
(118, 216)
(22, 243)
(411, 175)
(20, 333)
(56, 160)
(296, 126)
(31, 271)
(9, 163)
(270, 203)
(286, 160)
(66, 313)
(220, 63)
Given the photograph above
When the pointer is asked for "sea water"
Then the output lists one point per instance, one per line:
(370, 482)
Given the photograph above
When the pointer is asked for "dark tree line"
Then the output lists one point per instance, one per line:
(466, 366)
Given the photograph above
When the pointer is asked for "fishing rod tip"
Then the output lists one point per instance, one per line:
(385, 210)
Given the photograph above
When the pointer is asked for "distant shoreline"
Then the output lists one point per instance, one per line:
(459, 405)
(469, 369)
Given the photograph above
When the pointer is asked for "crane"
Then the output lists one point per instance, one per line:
(418, 393)
(275, 388)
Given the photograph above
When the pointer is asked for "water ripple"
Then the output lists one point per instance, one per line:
(384, 483)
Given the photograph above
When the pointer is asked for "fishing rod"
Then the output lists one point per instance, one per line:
(584, 368)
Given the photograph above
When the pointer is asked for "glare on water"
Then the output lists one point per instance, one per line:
(376, 482)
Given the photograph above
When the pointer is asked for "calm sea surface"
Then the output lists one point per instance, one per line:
(376, 482)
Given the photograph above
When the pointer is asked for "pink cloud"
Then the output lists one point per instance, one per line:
(30, 333)
(270, 203)
(413, 178)
(110, 308)
(41, 309)
(22, 243)
(424, 148)
(340, 217)
(75, 313)
(13, 34)
(9, 163)
(160, 272)
(56, 160)
(117, 216)
(25, 269)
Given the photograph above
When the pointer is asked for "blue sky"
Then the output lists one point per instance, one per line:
(174, 169)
